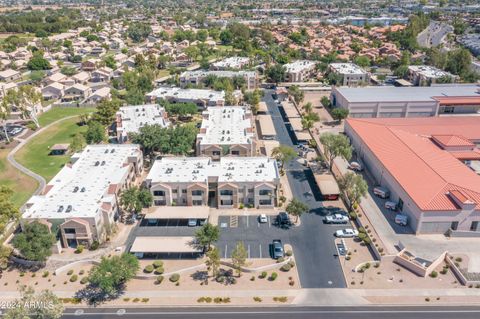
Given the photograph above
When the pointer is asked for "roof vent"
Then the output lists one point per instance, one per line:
(69, 209)
(83, 190)
(97, 163)
(75, 189)
(60, 209)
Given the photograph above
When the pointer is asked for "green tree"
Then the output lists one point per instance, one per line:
(113, 272)
(8, 211)
(110, 62)
(297, 94)
(239, 257)
(354, 187)
(134, 199)
(36, 76)
(362, 61)
(5, 253)
(180, 109)
(24, 99)
(335, 145)
(339, 114)
(47, 305)
(35, 241)
(38, 62)
(276, 73)
(202, 35)
(213, 260)
(284, 154)
(78, 143)
(296, 208)
(207, 235)
(325, 101)
(138, 31)
(105, 111)
(95, 133)
(309, 119)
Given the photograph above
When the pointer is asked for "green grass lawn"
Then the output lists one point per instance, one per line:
(35, 154)
(57, 113)
(22, 185)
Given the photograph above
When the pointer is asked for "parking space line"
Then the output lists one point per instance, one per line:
(248, 251)
(269, 224)
(247, 220)
(260, 247)
(226, 246)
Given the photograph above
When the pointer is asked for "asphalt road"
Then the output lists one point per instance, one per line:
(312, 241)
(289, 312)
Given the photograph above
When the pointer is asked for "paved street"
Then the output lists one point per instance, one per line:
(312, 241)
(285, 312)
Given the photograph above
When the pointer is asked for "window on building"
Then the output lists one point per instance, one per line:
(454, 225)
(159, 202)
(226, 192)
(197, 202)
(158, 193)
(235, 152)
(264, 192)
(474, 226)
(250, 190)
(174, 191)
(69, 230)
(216, 153)
(184, 191)
(227, 202)
(197, 192)
(265, 202)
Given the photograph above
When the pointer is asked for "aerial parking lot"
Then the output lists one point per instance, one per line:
(312, 242)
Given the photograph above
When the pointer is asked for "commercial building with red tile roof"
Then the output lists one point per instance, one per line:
(430, 165)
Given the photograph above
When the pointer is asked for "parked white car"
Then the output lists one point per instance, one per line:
(355, 166)
(381, 192)
(262, 218)
(336, 219)
(346, 233)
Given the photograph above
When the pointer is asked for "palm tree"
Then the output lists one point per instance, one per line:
(5, 111)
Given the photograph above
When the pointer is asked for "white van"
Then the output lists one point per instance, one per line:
(381, 192)
(401, 219)
(391, 205)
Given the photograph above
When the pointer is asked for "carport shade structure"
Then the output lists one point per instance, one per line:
(170, 244)
(328, 186)
(178, 212)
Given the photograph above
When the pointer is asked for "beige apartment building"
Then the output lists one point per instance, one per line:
(197, 77)
(300, 71)
(226, 131)
(350, 73)
(229, 183)
(80, 204)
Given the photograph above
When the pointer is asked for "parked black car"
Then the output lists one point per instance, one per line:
(283, 220)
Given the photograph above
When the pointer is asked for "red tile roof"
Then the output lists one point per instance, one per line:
(452, 140)
(426, 172)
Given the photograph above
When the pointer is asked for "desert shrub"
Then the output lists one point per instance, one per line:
(73, 278)
(280, 299)
(263, 275)
(174, 278)
(286, 267)
(84, 280)
(252, 278)
(148, 269)
(291, 263)
(159, 280)
(145, 300)
(220, 279)
(136, 300)
(126, 299)
(45, 274)
(257, 299)
(280, 260)
(94, 246)
(81, 272)
(157, 263)
(79, 249)
(433, 274)
(361, 230)
(273, 276)
(208, 299)
(159, 270)
(289, 253)
(291, 282)
(458, 259)
(70, 272)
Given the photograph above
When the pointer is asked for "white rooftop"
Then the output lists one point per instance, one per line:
(199, 169)
(225, 125)
(187, 94)
(133, 117)
(220, 74)
(405, 94)
(79, 190)
(429, 71)
(299, 66)
(347, 68)
(232, 62)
